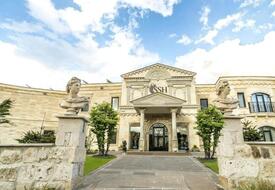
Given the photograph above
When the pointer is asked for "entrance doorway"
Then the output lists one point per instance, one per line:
(158, 137)
(182, 141)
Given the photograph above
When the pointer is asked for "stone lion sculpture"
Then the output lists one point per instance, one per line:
(224, 103)
(74, 103)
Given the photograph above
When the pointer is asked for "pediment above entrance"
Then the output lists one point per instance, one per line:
(158, 100)
(158, 71)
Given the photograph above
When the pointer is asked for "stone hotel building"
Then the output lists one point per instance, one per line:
(157, 107)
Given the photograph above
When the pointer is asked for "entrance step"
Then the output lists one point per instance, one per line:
(158, 153)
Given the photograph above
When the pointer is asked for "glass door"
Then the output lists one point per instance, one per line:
(158, 138)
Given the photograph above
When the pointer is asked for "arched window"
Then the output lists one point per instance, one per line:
(268, 133)
(261, 102)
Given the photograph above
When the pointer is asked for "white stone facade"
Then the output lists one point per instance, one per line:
(157, 106)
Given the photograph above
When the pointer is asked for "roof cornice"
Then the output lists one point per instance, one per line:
(158, 65)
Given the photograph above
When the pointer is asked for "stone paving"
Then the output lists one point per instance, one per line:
(151, 172)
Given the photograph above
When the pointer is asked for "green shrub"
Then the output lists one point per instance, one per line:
(257, 185)
(37, 137)
(250, 133)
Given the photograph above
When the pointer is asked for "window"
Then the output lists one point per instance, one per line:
(241, 99)
(115, 103)
(85, 108)
(261, 103)
(113, 137)
(268, 133)
(204, 103)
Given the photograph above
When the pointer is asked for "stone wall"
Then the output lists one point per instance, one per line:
(241, 162)
(250, 161)
(23, 167)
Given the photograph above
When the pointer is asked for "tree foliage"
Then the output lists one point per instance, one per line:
(209, 125)
(5, 107)
(103, 121)
(250, 133)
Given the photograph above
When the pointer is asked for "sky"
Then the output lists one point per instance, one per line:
(43, 43)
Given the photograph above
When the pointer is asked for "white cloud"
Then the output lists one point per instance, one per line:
(231, 58)
(36, 58)
(219, 25)
(272, 3)
(38, 52)
(204, 16)
(93, 15)
(247, 3)
(239, 25)
(185, 40)
(46, 12)
(22, 27)
(163, 7)
(273, 14)
(224, 22)
(29, 71)
(208, 38)
(173, 35)
(266, 26)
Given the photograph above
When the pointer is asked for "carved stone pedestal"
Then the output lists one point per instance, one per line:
(232, 137)
(71, 136)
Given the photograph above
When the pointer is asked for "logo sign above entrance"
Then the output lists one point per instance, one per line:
(158, 86)
(154, 88)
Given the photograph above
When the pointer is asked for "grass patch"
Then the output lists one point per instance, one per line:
(94, 162)
(212, 164)
(257, 185)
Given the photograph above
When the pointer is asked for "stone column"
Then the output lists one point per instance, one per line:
(141, 137)
(71, 135)
(174, 130)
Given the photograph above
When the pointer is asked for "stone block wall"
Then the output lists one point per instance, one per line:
(249, 162)
(24, 167)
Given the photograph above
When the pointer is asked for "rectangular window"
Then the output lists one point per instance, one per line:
(113, 138)
(241, 99)
(115, 103)
(204, 103)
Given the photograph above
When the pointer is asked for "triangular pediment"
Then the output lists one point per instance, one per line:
(158, 70)
(158, 100)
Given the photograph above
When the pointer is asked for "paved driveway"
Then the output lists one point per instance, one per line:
(151, 172)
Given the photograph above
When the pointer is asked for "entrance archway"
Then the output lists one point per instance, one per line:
(158, 137)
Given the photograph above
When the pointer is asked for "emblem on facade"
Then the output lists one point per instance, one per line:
(153, 88)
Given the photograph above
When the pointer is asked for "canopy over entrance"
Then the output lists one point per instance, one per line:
(158, 103)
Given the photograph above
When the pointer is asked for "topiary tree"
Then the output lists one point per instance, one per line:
(103, 121)
(250, 133)
(209, 125)
(5, 107)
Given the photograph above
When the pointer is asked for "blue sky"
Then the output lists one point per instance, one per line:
(44, 43)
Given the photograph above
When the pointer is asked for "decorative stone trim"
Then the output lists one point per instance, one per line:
(157, 65)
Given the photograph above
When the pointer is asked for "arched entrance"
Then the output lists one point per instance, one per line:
(158, 137)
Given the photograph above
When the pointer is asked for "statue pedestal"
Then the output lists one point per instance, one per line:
(71, 131)
(71, 135)
(232, 136)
